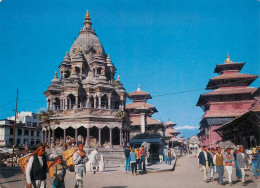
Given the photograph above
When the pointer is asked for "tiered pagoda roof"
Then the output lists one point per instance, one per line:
(169, 131)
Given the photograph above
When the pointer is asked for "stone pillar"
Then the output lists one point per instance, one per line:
(51, 105)
(49, 137)
(121, 134)
(142, 122)
(48, 105)
(95, 102)
(99, 137)
(66, 103)
(76, 102)
(88, 137)
(42, 137)
(64, 136)
(109, 103)
(99, 102)
(53, 136)
(110, 136)
(96, 72)
(88, 100)
(76, 136)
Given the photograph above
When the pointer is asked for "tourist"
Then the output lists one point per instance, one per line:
(229, 158)
(79, 159)
(204, 162)
(127, 158)
(93, 160)
(169, 156)
(143, 154)
(242, 162)
(255, 162)
(59, 172)
(213, 167)
(133, 159)
(238, 172)
(37, 168)
(138, 161)
(165, 151)
(218, 161)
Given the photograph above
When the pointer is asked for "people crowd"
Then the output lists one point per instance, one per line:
(212, 163)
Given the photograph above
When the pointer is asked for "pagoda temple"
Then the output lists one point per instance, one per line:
(230, 97)
(170, 133)
(140, 113)
(87, 104)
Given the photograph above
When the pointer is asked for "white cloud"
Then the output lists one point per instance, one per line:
(187, 127)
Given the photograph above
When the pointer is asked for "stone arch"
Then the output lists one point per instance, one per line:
(115, 136)
(99, 71)
(56, 103)
(82, 133)
(58, 134)
(104, 102)
(77, 70)
(70, 132)
(94, 133)
(71, 101)
(91, 102)
(104, 135)
(83, 100)
(67, 74)
(115, 100)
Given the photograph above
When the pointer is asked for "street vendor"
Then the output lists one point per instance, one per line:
(37, 168)
(79, 159)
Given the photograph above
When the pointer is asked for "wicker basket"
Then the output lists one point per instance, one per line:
(23, 161)
(68, 157)
(50, 164)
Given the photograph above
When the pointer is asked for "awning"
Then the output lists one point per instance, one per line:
(149, 140)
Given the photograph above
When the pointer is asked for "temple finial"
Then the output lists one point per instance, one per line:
(87, 17)
(98, 52)
(228, 58)
(55, 74)
(228, 55)
(139, 88)
(67, 53)
(118, 78)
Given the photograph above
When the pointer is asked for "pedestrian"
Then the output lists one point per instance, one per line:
(238, 172)
(37, 168)
(205, 162)
(59, 172)
(242, 162)
(79, 159)
(93, 160)
(143, 154)
(165, 151)
(133, 159)
(127, 158)
(229, 158)
(255, 162)
(213, 167)
(218, 161)
(169, 156)
(138, 161)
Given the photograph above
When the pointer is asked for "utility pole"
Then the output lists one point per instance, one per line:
(14, 126)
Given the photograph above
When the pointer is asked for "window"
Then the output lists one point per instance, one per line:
(38, 133)
(28, 123)
(19, 132)
(26, 132)
(11, 131)
(32, 132)
(34, 124)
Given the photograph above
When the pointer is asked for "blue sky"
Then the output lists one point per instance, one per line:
(166, 46)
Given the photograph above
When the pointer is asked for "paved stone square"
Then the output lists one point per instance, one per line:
(186, 174)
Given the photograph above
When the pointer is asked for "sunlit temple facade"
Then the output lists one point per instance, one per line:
(87, 103)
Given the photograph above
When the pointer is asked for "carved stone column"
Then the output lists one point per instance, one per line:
(45, 136)
(99, 102)
(48, 105)
(49, 137)
(64, 136)
(95, 102)
(121, 134)
(88, 101)
(76, 102)
(110, 136)
(66, 103)
(88, 137)
(99, 137)
(109, 103)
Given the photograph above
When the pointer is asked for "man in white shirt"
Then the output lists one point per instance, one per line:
(37, 168)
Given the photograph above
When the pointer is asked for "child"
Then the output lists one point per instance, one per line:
(59, 172)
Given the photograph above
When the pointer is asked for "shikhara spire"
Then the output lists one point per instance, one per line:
(87, 17)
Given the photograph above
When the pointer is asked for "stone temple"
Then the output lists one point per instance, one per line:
(87, 104)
